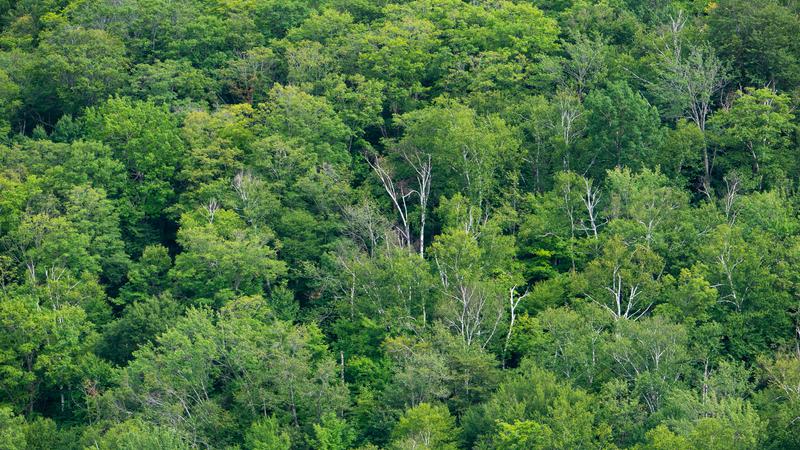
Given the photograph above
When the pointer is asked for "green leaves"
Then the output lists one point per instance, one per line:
(756, 129)
(221, 257)
(81, 67)
(470, 153)
(44, 348)
(144, 137)
(623, 129)
(269, 367)
(437, 224)
(425, 426)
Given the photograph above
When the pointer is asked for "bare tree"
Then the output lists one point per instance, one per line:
(211, 209)
(688, 80)
(591, 198)
(420, 162)
(513, 301)
(625, 298)
(586, 61)
(365, 225)
(732, 186)
(477, 310)
(622, 279)
(569, 110)
(477, 318)
(400, 192)
(729, 261)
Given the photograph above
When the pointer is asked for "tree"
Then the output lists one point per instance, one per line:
(757, 40)
(93, 215)
(623, 129)
(394, 287)
(531, 394)
(12, 430)
(466, 152)
(45, 352)
(280, 368)
(266, 434)
(718, 422)
(568, 343)
(9, 92)
(623, 279)
(662, 438)
(756, 128)
(147, 276)
(643, 207)
(82, 67)
(49, 247)
(441, 224)
(420, 373)
(332, 434)
(248, 76)
(172, 383)
(688, 79)
(652, 354)
(145, 138)
(472, 306)
(175, 83)
(777, 405)
(451, 144)
(222, 257)
(308, 120)
(587, 63)
(524, 434)
(425, 426)
(400, 52)
(140, 322)
(135, 434)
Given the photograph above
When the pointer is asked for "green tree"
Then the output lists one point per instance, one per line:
(9, 93)
(12, 430)
(623, 129)
(525, 434)
(92, 214)
(136, 434)
(222, 257)
(147, 276)
(266, 434)
(662, 438)
(308, 120)
(140, 322)
(46, 351)
(400, 52)
(280, 368)
(78, 67)
(650, 353)
(757, 40)
(332, 433)
(145, 138)
(533, 394)
(756, 129)
(172, 82)
(425, 426)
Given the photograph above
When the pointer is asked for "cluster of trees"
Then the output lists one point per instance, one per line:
(400, 224)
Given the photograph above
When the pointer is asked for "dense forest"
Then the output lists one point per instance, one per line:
(399, 224)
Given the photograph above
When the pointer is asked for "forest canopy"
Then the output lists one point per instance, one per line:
(399, 224)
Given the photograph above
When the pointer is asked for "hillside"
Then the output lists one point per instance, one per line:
(399, 224)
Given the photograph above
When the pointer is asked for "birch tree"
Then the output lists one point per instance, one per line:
(623, 279)
(689, 77)
(472, 306)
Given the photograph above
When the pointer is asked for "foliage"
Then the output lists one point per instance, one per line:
(439, 224)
